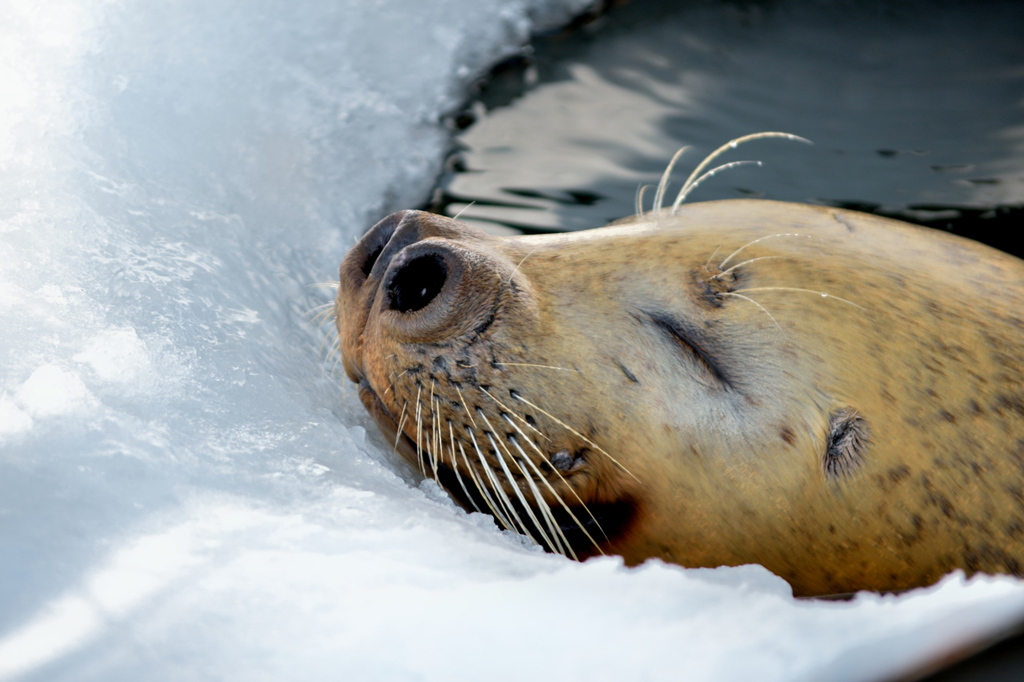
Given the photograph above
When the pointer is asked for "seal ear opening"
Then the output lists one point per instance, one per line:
(844, 447)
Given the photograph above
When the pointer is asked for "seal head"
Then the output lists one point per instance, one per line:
(829, 394)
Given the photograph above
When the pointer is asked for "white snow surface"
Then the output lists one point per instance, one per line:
(186, 492)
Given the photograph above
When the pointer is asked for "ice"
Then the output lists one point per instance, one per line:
(12, 418)
(116, 355)
(52, 392)
(186, 491)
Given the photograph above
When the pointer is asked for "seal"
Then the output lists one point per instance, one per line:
(836, 396)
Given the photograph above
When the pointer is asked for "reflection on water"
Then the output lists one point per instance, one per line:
(916, 110)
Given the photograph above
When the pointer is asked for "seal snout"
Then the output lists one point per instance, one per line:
(419, 278)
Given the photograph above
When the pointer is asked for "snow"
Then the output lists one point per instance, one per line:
(186, 490)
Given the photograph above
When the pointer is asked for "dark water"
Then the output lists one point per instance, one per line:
(916, 111)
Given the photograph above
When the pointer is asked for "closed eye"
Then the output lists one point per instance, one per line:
(685, 340)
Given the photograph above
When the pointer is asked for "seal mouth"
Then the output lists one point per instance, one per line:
(582, 530)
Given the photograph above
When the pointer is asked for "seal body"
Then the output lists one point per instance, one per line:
(836, 396)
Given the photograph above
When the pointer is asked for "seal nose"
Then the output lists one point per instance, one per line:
(419, 277)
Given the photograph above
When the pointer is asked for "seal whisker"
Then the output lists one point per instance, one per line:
(761, 239)
(500, 489)
(490, 482)
(519, 494)
(561, 501)
(513, 412)
(464, 209)
(334, 367)
(320, 351)
(578, 434)
(392, 384)
(325, 314)
(543, 456)
(455, 467)
(323, 307)
(499, 492)
(685, 192)
(659, 195)
(564, 482)
(824, 294)
(429, 446)
(336, 351)
(451, 447)
(747, 298)
(332, 333)
(401, 425)
(561, 544)
(712, 257)
(521, 262)
(640, 199)
(436, 417)
(732, 144)
(738, 265)
(508, 475)
(526, 364)
(333, 352)
(483, 492)
(465, 406)
(334, 327)
(323, 285)
(435, 413)
(555, 470)
(419, 429)
(433, 433)
(323, 359)
(542, 507)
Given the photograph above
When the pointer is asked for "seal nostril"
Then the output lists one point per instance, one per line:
(417, 283)
(371, 259)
